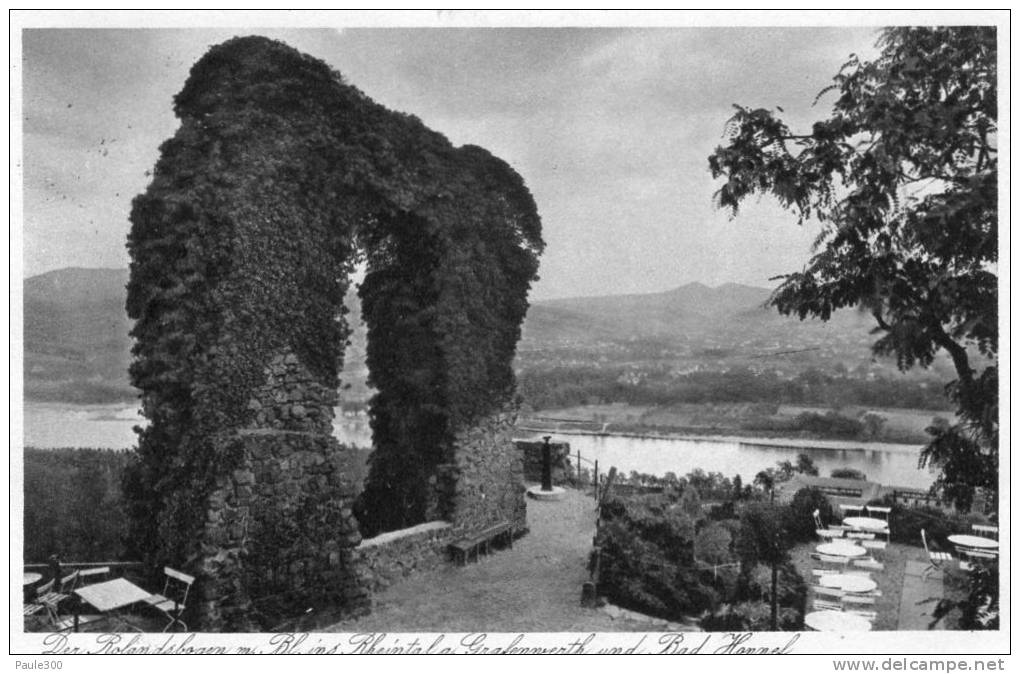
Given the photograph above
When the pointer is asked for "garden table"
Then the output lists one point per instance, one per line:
(836, 621)
(32, 577)
(968, 541)
(113, 595)
(841, 550)
(866, 523)
(973, 547)
(849, 583)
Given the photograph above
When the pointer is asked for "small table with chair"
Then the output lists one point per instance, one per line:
(972, 548)
(110, 597)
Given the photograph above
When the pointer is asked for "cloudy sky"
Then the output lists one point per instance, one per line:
(610, 127)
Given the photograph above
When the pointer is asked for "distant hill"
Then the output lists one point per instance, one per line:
(690, 308)
(732, 317)
(77, 343)
(77, 347)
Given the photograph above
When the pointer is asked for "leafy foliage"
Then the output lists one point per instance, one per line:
(73, 504)
(848, 474)
(904, 177)
(242, 247)
(762, 538)
(799, 521)
(647, 552)
(768, 479)
(660, 554)
(566, 386)
(979, 608)
(905, 524)
(751, 616)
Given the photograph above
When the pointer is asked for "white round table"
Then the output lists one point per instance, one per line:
(866, 523)
(836, 621)
(841, 550)
(849, 583)
(968, 541)
(32, 577)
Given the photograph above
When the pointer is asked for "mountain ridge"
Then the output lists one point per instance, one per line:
(76, 330)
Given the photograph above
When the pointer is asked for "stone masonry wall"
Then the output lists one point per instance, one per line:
(389, 557)
(291, 400)
(531, 452)
(485, 482)
(279, 530)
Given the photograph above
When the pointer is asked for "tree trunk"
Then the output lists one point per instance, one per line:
(775, 598)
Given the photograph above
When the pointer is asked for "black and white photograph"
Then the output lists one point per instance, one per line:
(510, 332)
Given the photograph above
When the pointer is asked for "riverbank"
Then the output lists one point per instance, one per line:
(758, 441)
(789, 425)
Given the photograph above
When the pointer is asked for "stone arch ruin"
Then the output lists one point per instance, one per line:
(280, 177)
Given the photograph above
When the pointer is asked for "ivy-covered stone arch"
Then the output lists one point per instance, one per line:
(241, 253)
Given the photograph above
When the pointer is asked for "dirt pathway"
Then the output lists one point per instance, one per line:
(534, 587)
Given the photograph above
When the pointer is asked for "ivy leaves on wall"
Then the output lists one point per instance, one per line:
(242, 248)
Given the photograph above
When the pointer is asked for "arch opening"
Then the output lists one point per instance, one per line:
(242, 249)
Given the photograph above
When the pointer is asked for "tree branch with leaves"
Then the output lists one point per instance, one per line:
(903, 176)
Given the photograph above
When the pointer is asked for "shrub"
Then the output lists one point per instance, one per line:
(832, 423)
(714, 544)
(762, 537)
(756, 584)
(799, 518)
(73, 504)
(979, 606)
(723, 511)
(848, 474)
(905, 524)
(647, 553)
(751, 616)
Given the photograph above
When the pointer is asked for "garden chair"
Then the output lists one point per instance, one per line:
(822, 532)
(93, 575)
(879, 512)
(861, 605)
(56, 594)
(834, 560)
(173, 600)
(43, 590)
(860, 535)
(935, 557)
(870, 564)
(986, 531)
(858, 572)
(826, 598)
(873, 544)
(850, 510)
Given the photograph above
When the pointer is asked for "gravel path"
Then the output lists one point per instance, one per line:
(534, 587)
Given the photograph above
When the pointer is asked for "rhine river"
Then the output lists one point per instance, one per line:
(56, 425)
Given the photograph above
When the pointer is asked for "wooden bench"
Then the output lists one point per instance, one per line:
(462, 548)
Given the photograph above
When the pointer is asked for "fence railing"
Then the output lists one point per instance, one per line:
(589, 590)
(72, 566)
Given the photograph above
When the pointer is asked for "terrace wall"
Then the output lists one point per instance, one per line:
(387, 558)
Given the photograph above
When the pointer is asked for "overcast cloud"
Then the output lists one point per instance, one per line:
(611, 129)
